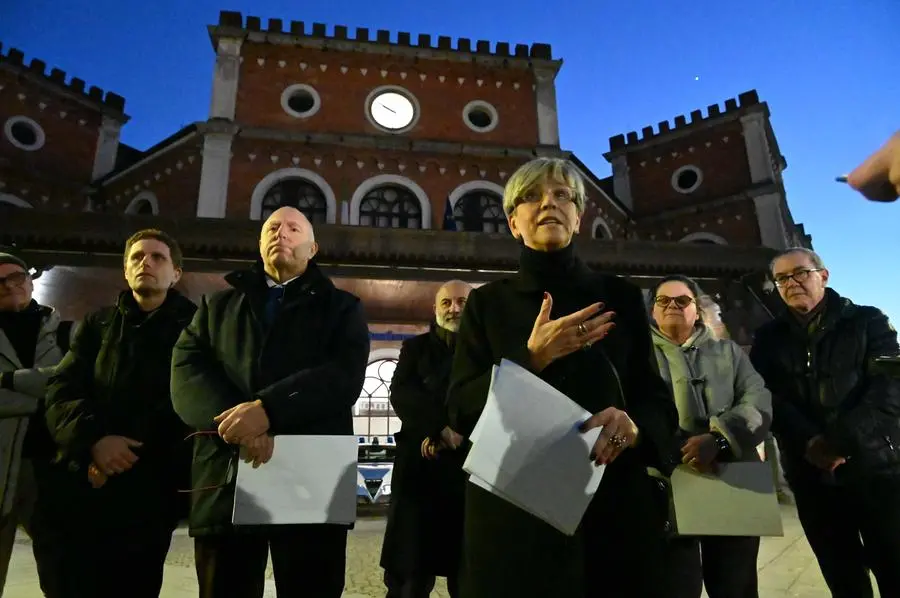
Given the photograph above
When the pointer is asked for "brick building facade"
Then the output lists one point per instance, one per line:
(371, 130)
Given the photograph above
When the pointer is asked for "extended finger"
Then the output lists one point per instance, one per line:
(544, 314)
(129, 457)
(576, 318)
(599, 330)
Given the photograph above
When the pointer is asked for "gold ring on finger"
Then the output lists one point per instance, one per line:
(617, 441)
(582, 329)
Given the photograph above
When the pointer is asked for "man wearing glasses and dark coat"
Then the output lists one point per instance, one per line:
(281, 352)
(837, 420)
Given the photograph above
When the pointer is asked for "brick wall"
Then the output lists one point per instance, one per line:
(719, 152)
(345, 79)
(172, 176)
(735, 221)
(65, 162)
(344, 169)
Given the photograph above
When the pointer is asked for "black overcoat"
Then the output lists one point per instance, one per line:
(424, 529)
(617, 550)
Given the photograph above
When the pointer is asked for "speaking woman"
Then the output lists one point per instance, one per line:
(586, 334)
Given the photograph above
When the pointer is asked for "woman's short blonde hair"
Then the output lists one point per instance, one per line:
(530, 175)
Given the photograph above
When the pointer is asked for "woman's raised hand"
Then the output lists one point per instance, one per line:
(552, 339)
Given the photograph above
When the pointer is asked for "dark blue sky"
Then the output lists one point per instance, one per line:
(828, 69)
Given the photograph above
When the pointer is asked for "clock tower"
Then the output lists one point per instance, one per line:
(368, 128)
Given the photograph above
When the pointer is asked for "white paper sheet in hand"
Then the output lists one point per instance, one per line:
(310, 479)
(527, 449)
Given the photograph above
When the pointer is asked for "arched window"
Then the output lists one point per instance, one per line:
(373, 414)
(390, 206)
(144, 208)
(480, 211)
(296, 193)
(599, 232)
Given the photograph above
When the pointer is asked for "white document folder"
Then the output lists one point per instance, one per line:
(526, 449)
(739, 500)
(310, 479)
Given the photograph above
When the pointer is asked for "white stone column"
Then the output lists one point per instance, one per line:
(107, 147)
(622, 180)
(213, 196)
(772, 229)
(225, 78)
(545, 94)
(759, 156)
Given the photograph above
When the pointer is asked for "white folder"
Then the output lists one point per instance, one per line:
(739, 500)
(527, 449)
(310, 479)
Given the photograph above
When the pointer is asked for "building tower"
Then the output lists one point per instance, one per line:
(714, 179)
(58, 135)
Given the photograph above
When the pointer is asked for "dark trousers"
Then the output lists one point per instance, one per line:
(416, 586)
(852, 528)
(82, 566)
(726, 565)
(308, 560)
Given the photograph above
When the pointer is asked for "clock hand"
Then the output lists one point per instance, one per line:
(386, 108)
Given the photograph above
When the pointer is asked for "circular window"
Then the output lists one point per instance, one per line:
(686, 179)
(300, 100)
(392, 109)
(24, 133)
(480, 116)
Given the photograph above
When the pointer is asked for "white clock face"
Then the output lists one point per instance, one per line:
(392, 110)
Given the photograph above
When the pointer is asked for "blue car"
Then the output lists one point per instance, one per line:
(374, 469)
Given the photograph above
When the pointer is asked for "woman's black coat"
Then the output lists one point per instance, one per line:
(618, 546)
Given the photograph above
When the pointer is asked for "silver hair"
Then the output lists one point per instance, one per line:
(814, 257)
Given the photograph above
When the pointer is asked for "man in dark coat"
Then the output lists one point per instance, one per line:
(837, 421)
(424, 530)
(281, 352)
(113, 495)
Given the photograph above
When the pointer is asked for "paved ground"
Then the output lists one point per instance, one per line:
(786, 565)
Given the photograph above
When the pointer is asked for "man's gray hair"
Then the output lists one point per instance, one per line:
(814, 257)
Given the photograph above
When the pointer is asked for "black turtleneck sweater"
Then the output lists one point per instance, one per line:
(22, 329)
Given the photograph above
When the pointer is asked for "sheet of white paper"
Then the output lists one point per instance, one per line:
(739, 501)
(527, 449)
(310, 479)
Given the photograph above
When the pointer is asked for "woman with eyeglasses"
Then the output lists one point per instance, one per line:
(587, 335)
(724, 413)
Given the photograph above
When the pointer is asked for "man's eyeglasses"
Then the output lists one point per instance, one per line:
(799, 276)
(16, 279)
(681, 301)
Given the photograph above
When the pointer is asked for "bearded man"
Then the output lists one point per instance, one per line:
(424, 531)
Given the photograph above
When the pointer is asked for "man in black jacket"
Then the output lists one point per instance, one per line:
(282, 352)
(837, 421)
(424, 530)
(121, 451)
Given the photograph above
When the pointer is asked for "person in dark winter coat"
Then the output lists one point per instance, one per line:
(424, 528)
(837, 420)
(281, 352)
(588, 335)
(121, 452)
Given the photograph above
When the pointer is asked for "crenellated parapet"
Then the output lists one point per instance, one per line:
(13, 59)
(235, 25)
(733, 107)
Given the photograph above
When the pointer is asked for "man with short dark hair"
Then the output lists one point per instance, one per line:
(281, 352)
(121, 452)
(837, 420)
(33, 339)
